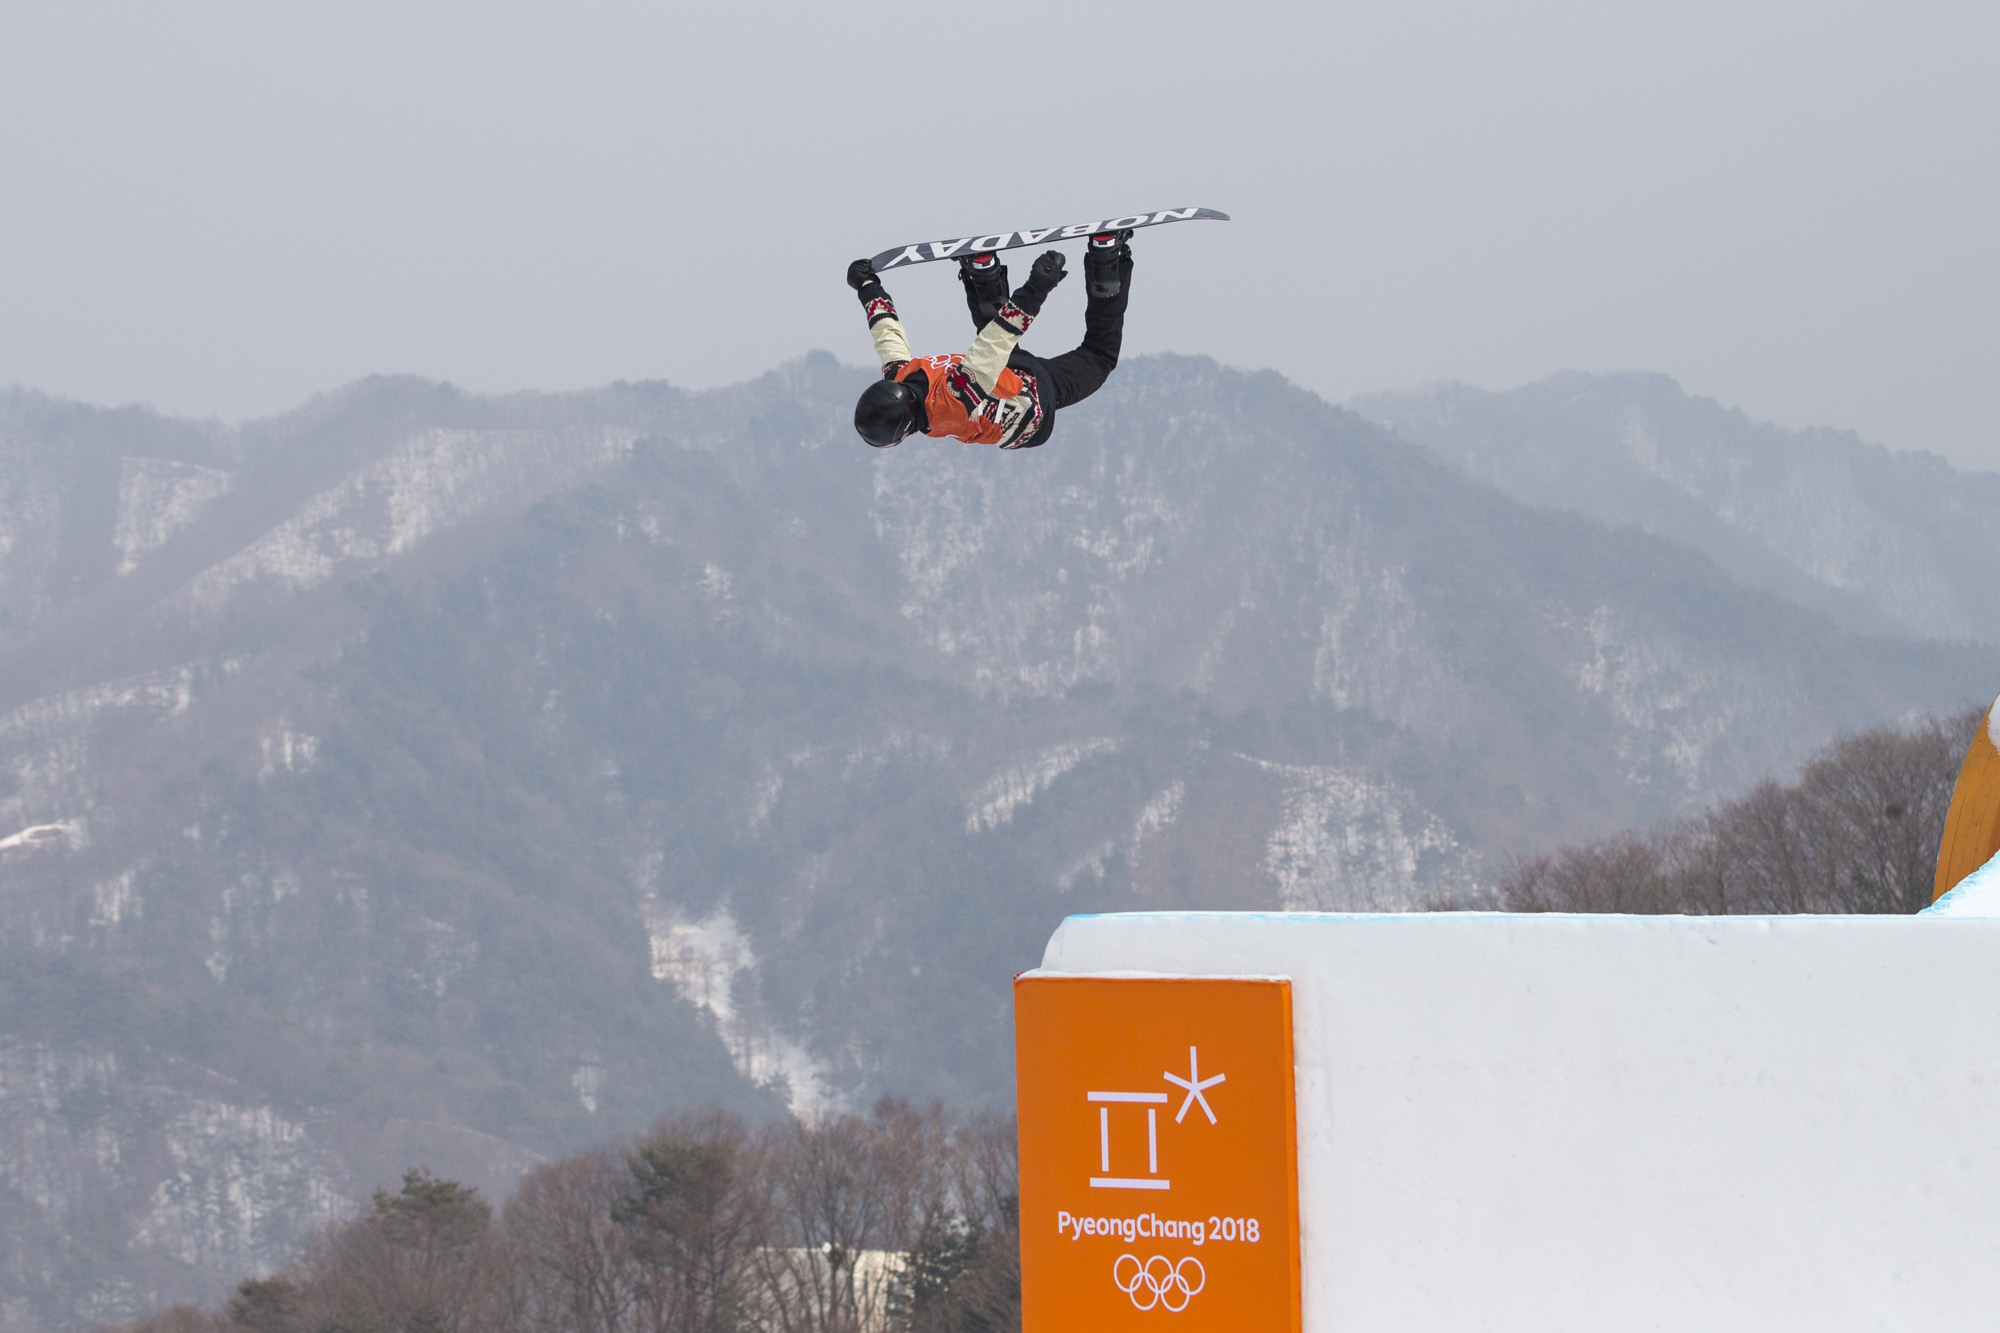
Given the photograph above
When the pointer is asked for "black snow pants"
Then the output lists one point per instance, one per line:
(1080, 372)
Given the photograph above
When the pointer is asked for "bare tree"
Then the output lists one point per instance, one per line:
(575, 1263)
(832, 1193)
(1625, 873)
(903, 1221)
(1768, 843)
(175, 1319)
(1858, 832)
(265, 1305)
(1697, 867)
(1880, 799)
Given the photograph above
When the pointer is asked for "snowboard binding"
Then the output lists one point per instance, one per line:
(1103, 259)
(985, 279)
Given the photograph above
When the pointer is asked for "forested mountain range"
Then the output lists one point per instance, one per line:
(1877, 539)
(432, 777)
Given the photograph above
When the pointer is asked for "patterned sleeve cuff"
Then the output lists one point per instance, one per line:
(1015, 317)
(878, 306)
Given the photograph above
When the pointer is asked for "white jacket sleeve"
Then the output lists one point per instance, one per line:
(890, 344)
(995, 343)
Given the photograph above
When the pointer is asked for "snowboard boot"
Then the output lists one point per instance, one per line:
(985, 279)
(1101, 261)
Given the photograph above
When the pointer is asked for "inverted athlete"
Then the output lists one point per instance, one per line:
(995, 392)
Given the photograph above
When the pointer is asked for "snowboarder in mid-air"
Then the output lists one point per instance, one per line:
(994, 393)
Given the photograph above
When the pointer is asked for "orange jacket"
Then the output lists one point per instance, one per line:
(974, 395)
(959, 408)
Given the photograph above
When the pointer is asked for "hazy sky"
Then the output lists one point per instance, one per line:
(222, 208)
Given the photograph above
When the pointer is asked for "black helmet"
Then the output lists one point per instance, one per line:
(888, 410)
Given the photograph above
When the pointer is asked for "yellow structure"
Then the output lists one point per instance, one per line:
(1972, 829)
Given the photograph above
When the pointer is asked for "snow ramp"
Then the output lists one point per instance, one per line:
(1510, 1122)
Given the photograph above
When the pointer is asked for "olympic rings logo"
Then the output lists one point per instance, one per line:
(1167, 1286)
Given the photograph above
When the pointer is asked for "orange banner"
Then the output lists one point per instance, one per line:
(1159, 1154)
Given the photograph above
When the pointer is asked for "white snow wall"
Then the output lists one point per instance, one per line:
(1622, 1123)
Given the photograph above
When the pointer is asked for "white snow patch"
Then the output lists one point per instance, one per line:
(702, 960)
(769, 789)
(1155, 815)
(974, 559)
(1092, 863)
(772, 785)
(1159, 812)
(1348, 842)
(1366, 633)
(157, 497)
(898, 744)
(447, 956)
(241, 1177)
(114, 899)
(286, 751)
(588, 1082)
(66, 833)
(856, 763)
(1375, 648)
(1666, 705)
(218, 959)
(994, 801)
(441, 477)
(48, 1155)
(45, 742)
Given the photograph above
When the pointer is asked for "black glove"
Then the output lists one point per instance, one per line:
(1042, 278)
(860, 273)
(1047, 272)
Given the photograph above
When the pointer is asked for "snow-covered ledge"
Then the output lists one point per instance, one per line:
(1603, 1123)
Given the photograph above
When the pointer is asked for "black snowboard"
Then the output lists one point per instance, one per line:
(923, 252)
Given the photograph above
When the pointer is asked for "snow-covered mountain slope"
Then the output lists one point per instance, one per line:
(1879, 540)
(431, 777)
